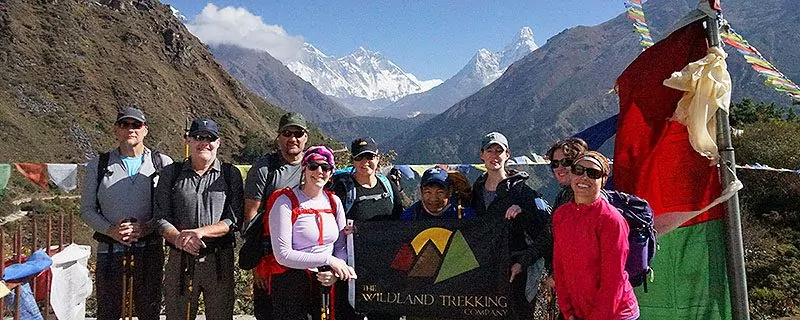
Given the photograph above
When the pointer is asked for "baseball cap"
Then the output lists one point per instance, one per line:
(363, 145)
(494, 138)
(434, 175)
(204, 124)
(292, 119)
(131, 113)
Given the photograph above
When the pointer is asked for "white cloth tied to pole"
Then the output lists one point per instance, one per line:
(72, 283)
(64, 175)
(708, 88)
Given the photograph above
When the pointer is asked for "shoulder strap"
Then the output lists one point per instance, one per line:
(226, 168)
(271, 201)
(332, 201)
(158, 163)
(350, 187)
(102, 169)
(387, 186)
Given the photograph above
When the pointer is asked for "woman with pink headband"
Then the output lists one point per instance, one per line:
(305, 227)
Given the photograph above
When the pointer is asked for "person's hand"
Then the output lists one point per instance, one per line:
(138, 229)
(121, 232)
(395, 176)
(326, 278)
(259, 281)
(549, 282)
(348, 229)
(340, 269)
(191, 241)
(573, 318)
(515, 270)
(512, 212)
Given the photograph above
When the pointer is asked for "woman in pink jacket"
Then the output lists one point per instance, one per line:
(590, 249)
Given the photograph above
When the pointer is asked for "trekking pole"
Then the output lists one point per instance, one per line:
(186, 144)
(188, 273)
(127, 279)
(325, 297)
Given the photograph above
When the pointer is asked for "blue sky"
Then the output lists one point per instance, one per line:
(431, 39)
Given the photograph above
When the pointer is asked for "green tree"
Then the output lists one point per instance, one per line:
(771, 213)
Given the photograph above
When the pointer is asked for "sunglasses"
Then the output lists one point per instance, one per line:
(204, 137)
(563, 162)
(368, 156)
(313, 166)
(290, 133)
(592, 173)
(130, 124)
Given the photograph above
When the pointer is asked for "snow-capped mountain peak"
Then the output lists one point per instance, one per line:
(484, 68)
(362, 74)
(522, 45)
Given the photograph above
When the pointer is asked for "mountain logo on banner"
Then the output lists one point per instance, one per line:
(435, 252)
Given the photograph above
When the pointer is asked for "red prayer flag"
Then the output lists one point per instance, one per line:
(36, 172)
(653, 157)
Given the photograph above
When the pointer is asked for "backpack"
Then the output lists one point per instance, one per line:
(255, 246)
(268, 266)
(642, 236)
(346, 177)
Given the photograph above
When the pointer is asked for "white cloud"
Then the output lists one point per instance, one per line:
(237, 26)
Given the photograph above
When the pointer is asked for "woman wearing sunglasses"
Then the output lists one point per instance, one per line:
(590, 249)
(561, 155)
(306, 225)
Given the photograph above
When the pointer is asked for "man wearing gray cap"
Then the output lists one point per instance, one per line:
(270, 172)
(116, 203)
(199, 206)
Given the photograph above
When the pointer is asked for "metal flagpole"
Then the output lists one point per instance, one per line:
(733, 223)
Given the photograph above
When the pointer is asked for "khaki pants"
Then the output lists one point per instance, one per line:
(213, 277)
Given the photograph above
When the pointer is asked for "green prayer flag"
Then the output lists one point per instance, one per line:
(5, 172)
(689, 276)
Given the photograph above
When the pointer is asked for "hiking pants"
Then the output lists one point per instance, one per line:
(295, 295)
(519, 307)
(262, 304)
(213, 277)
(147, 275)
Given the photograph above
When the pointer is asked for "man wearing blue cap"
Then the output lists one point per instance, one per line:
(199, 204)
(436, 200)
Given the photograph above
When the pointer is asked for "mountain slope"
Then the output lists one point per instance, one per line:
(563, 87)
(69, 65)
(383, 130)
(269, 78)
(482, 69)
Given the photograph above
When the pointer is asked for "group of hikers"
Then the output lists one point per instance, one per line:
(298, 207)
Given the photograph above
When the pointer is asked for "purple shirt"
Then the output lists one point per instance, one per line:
(297, 245)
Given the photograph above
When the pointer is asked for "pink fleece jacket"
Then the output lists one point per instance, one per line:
(589, 252)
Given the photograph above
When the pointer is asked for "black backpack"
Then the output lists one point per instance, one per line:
(255, 246)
